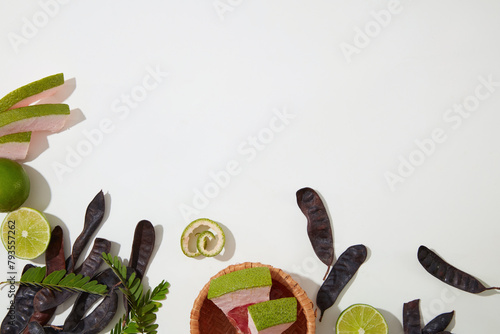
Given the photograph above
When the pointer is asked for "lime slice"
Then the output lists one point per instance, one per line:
(209, 235)
(25, 233)
(361, 319)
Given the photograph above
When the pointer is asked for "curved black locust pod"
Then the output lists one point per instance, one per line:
(438, 324)
(54, 261)
(93, 218)
(319, 228)
(99, 318)
(17, 319)
(142, 247)
(342, 271)
(449, 274)
(411, 317)
(47, 298)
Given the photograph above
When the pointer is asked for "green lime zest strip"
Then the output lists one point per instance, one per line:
(203, 238)
(20, 137)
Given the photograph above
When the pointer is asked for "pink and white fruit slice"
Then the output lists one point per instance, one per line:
(15, 146)
(18, 117)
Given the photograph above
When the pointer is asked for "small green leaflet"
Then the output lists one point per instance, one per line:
(58, 280)
(141, 317)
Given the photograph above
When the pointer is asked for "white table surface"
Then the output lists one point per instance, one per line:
(388, 109)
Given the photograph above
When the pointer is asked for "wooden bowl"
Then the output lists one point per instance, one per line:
(207, 318)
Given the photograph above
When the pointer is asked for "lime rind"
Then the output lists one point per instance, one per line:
(31, 89)
(203, 238)
(361, 316)
(202, 241)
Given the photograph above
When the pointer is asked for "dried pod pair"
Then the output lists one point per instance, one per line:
(320, 234)
(412, 322)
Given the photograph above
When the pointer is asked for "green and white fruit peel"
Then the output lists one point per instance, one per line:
(31, 89)
(203, 238)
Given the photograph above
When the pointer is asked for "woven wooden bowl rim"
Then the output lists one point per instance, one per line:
(276, 274)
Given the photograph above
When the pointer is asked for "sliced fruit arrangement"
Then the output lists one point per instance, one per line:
(235, 291)
(239, 288)
(20, 115)
(210, 238)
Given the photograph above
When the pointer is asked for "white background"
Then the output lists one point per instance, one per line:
(361, 84)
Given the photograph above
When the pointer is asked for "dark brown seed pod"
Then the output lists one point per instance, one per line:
(86, 301)
(94, 260)
(449, 274)
(47, 298)
(54, 256)
(17, 319)
(319, 228)
(438, 324)
(93, 218)
(411, 317)
(100, 317)
(142, 247)
(342, 271)
(54, 260)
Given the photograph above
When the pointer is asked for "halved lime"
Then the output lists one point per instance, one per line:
(361, 319)
(25, 233)
(209, 236)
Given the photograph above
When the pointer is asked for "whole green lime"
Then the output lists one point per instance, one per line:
(14, 185)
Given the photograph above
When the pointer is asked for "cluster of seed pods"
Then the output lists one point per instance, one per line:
(320, 235)
(91, 313)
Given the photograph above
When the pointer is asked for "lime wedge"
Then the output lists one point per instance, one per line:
(361, 319)
(209, 241)
(25, 233)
